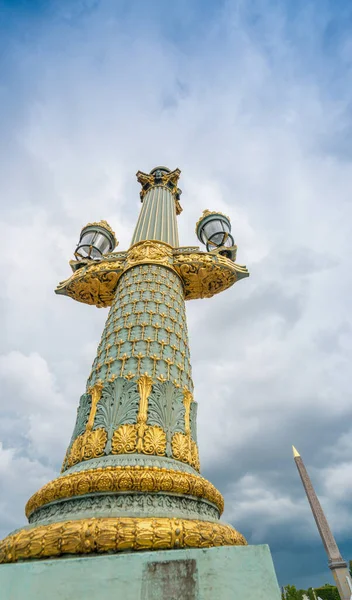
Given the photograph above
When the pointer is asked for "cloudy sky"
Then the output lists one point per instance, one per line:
(252, 101)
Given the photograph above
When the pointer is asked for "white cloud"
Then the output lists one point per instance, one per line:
(20, 477)
(249, 115)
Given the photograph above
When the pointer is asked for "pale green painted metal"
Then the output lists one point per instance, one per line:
(133, 460)
(131, 319)
(159, 505)
(224, 573)
(157, 219)
(147, 318)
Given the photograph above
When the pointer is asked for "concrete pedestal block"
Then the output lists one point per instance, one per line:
(224, 573)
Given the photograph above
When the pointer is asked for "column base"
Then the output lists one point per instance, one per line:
(195, 574)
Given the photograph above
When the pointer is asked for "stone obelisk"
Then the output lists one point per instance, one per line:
(337, 565)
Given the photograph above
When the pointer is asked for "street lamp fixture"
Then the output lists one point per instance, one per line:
(214, 230)
(96, 239)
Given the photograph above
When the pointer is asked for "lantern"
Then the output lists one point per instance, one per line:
(214, 230)
(95, 240)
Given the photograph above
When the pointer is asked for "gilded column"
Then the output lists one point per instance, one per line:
(130, 478)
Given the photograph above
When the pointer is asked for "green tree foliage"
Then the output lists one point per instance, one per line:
(291, 593)
(327, 592)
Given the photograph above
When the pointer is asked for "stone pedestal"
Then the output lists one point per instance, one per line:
(223, 573)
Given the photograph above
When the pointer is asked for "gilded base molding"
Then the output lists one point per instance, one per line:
(100, 535)
(119, 479)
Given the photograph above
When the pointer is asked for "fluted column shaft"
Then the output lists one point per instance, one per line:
(157, 219)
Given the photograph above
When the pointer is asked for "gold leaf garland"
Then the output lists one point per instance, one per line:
(99, 535)
(124, 479)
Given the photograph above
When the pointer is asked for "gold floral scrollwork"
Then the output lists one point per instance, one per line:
(149, 252)
(96, 289)
(75, 453)
(181, 447)
(94, 444)
(124, 440)
(154, 441)
(110, 534)
(87, 446)
(185, 449)
(204, 275)
(93, 283)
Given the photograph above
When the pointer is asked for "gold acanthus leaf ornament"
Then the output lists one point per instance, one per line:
(154, 441)
(98, 535)
(75, 454)
(90, 444)
(149, 252)
(129, 438)
(181, 447)
(124, 479)
(94, 444)
(185, 449)
(124, 440)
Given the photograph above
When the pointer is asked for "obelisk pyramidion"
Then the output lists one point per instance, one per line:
(336, 563)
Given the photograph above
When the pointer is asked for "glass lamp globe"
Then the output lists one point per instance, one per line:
(214, 230)
(96, 239)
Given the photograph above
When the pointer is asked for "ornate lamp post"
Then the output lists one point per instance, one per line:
(130, 478)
